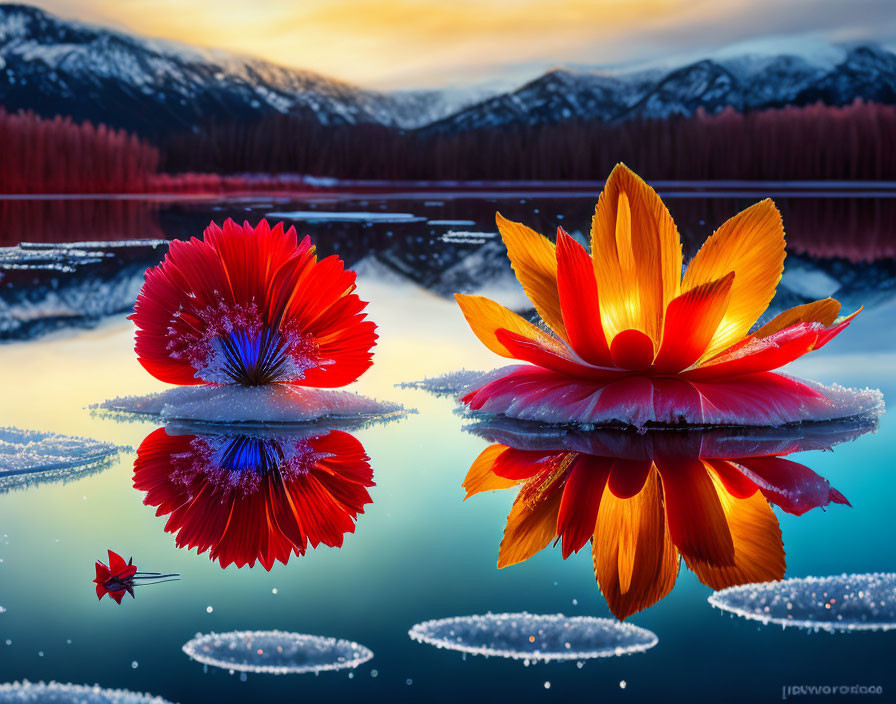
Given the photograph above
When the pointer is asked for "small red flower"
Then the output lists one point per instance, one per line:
(120, 577)
(116, 579)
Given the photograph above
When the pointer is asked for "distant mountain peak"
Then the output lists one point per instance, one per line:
(156, 87)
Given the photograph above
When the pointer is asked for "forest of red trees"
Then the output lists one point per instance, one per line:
(61, 156)
(810, 143)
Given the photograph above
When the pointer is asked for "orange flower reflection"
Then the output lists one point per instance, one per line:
(261, 497)
(645, 501)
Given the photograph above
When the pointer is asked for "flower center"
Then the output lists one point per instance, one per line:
(245, 453)
(252, 357)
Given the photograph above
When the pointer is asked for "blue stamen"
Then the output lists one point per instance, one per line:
(254, 358)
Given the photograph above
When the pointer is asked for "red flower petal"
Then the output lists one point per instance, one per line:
(577, 518)
(579, 301)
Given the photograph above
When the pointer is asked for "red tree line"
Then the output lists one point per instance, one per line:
(61, 156)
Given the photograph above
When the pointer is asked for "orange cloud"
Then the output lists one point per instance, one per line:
(390, 42)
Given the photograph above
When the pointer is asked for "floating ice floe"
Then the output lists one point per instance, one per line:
(535, 638)
(336, 216)
(453, 223)
(26, 692)
(459, 237)
(446, 384)
(850, 602)
(29, 456)
(49, 287)
(275, 652)
(253, 405)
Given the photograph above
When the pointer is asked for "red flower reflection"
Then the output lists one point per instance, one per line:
(646, 501)
(116, 578)
(248, 498)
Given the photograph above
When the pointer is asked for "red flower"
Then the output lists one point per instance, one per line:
(248, 498)
(116, 578)
(251, 306)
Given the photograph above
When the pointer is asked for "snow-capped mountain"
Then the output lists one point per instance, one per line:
(54, 66)
(155, 87)
(744, 82)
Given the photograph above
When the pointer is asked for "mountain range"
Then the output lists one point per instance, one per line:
(157, 88)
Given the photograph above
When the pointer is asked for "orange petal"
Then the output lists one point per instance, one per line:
(481, 477)
(824, 311)
(535, 265)
(758, 549)
(691, 321)
(693, 510)
(637, 255)
(531, 526)
(485, 317)
(751, 244)
(580, 301)
(635, 561)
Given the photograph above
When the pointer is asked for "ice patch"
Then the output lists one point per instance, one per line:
(449, 384)
(29, 456)
(528, 393)
(854, 602)
(275, 652)
(253, 405)
(336, 216)
(535, 638)
(26, 692)
(460, 237)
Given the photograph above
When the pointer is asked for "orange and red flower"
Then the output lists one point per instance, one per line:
(248, 498)
(646, 501)
(626, 337)
(252, 306)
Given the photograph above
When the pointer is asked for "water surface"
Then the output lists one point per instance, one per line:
(419, 551)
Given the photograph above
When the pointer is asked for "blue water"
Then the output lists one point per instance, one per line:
(419, 551)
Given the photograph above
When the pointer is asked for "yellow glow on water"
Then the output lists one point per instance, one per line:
(49, 383)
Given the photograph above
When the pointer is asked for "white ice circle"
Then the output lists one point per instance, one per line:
(536, 638)
(56, 693)
(849, 602)
(275, 652)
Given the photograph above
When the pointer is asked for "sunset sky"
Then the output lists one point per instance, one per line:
(414, 43)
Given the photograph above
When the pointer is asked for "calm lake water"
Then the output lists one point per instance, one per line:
(419, 552)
